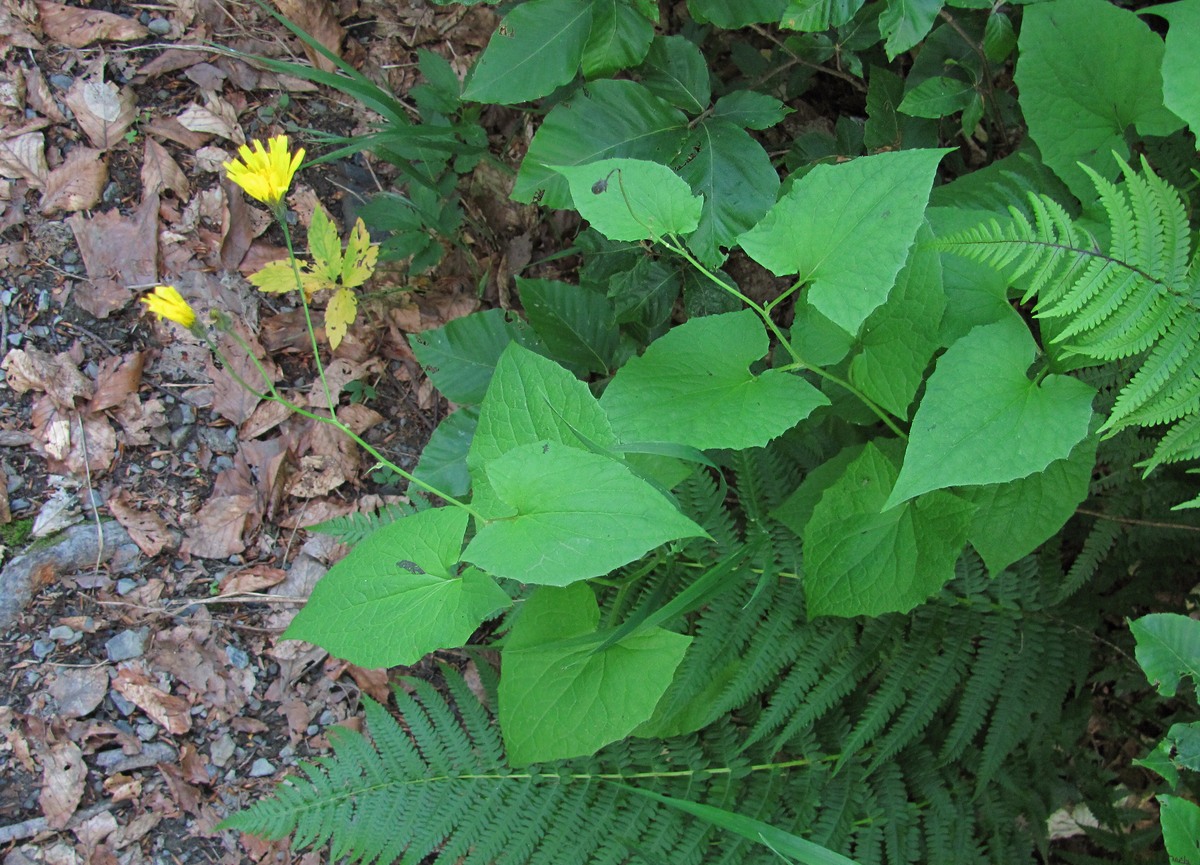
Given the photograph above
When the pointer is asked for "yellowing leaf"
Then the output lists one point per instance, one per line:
(341, 311)
(325, 246)
(359, 262)
(276, 277)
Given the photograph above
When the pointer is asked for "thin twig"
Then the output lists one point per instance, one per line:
(87, 470)
(1154, 524)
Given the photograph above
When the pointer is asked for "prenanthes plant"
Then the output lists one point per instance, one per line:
(265, 174)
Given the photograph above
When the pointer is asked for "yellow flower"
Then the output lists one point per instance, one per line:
(167, 303)
(265, 174)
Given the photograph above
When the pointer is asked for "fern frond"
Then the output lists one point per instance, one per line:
(356, 527)
(1138, 295)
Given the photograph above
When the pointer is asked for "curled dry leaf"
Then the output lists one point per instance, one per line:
(23, 157)
(63, 774)
(169, 712)
(316, 475)
(56, 375)
(41, 100)
(104, 112)
(77, 184)
(12, 88)
(252, 579)
(16, 29)
(216, 117)
(76, 28)
(116, 379)
(160, 171)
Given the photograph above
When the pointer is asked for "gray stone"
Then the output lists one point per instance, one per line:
(127, 644)
(159, 26)
(66, 636)
(261, 768)
(237, 657)
(43, 648)
(221, 751)
(125, 586)
(124, 706)
(62, 82)
(146, 732)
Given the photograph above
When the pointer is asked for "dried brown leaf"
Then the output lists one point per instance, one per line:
(252, 579)
(215, 532)
(118, 252)
(172, 130)
(12, 88)
(319, 19)
(216, 117)
(160, 171)
(103, 111)
(146, 529)
(63, 775)
(316, 475)
(78, 690)
(56, 375)
(24, 157)
(41, 99)
(117, 378)
(17, 29)
(77, 184)
(76, 28)
(168, 711)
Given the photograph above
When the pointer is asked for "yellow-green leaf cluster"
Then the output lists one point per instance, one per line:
(331, 269)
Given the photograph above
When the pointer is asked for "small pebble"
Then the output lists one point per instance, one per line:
(159, 26)
(66, 636)
(15, 339)
(237, 657)
(144, 18)
(18, 505)
(287, 752)
(312, 730)
(157, 463)
(43, 648)
(261, 768)
(32, 677)
(122, 705)
(70, 256)
(187, 413)
(221, 751)
(236, 559)
(146, 732)
(62, 82)
(43, 300)
(127, 644)
(125, 586)
(15, 482)
(327, 717)
(111, 193)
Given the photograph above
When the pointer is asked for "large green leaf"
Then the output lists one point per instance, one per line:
(1181, 62)
(605, 119)
(1168, 649)
(847, 229)
(619, 39)
(536, 49)
(444, 458)
(632, 199)
(398, 595)
(1013, 519)
(749, 109)
(1089, 70)
(675, 70)
(735, 14)
(737, 181)
(693, 386)
(532, 399)
(861, 558)
(899, 338)
(982, 421)
(1181, 829)
(461, 356)
(561, 515)
(644, 295)
(558, 702)
(814, 16)
(577, 325)
(907, 22)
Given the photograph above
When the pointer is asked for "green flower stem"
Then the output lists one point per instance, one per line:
(274, 395)
(764, 312)
(281, 218)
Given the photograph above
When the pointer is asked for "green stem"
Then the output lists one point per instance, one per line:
(764, 312)
(281, 218)
(274, 395)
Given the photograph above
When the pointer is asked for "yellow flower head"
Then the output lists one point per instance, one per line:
(265, 174)
(166, 302)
